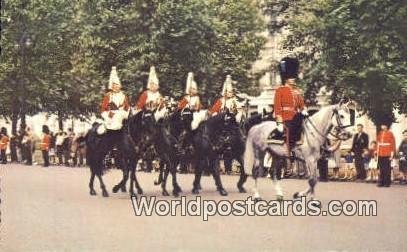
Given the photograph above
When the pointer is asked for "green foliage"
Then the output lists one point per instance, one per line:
(355, 48)
(75, 43)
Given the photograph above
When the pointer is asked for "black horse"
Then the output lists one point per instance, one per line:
(179, 123)
(149, 133)
(98, 146)
(211, 139)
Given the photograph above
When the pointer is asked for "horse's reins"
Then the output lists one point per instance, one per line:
(325, 136)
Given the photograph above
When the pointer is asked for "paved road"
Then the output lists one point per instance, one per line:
(51, 210)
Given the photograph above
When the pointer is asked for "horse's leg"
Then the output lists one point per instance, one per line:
(92, 179)
(160, 175)
(198, 174)
(134, 178)
(255, 174)
(176, 187)
(214, 165)
(243, 176)
(164, 182)
(312, 181)
(277, 171)
(102, 186)
(122, 162)
(256, 194)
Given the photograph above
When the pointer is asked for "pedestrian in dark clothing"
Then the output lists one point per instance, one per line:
(359, 145)
(403, 158)
(13, 148)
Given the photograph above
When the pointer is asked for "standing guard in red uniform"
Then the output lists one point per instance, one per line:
(386, 147)
(45, 143)
(289, 106)
(4, 140)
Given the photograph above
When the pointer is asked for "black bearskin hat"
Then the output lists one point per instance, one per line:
(45, 129)
(288, 68)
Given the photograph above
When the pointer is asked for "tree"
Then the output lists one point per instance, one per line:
(74, 44)
(352, 48)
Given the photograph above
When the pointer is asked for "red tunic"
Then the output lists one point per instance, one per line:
(106, 101)
(182, 103)
(192, 99)
(4, 142)
(46, 140)
(287, 102)
(141, 102)
(386, 144)
(217, 107)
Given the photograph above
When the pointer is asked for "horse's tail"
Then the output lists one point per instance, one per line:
(249, 155)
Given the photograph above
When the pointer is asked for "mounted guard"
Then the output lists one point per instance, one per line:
(191, 99)
(289, 107)
(115, 105)
(151, 98)
(228, 101)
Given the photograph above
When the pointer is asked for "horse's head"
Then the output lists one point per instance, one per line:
(343, 118)
(186, 116)
(229, 119)
(147, 118)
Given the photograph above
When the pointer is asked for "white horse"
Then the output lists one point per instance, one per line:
(316, 129)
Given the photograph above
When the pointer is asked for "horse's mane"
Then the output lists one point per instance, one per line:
(320, 117)
(214, 121)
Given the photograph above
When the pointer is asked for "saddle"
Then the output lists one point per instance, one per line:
(280, 138)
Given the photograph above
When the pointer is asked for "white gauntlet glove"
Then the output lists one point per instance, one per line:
(280, 127)
(304, 113)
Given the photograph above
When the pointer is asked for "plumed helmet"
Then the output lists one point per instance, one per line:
(3, 131)
(227, 85)
(190, 83)
(152, 78)
(114, 78)
(288, 68)
(45, 129)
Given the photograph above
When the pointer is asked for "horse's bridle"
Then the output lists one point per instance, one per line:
(339, 128)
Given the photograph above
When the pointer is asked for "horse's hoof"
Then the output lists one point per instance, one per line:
(195, 191)
(165, 193)
(296, 195)
(222, 192)
(92, 192)
(280, 197)
(123, 189)
(140, 191)
(105, 194)
(199, 187)
(133, 194)
(175, 193)
(257, 199)
(115, 189)
(241, 189)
